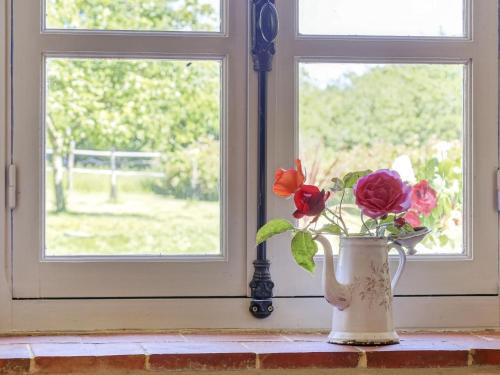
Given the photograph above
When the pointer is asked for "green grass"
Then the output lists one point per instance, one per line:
(139, 223)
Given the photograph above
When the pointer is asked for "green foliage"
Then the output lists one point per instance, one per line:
(396, 104)
(367, 120)
(132, 105)
(159, 15)
(272, 228)
(304, 248)
(351, 178)
(368, 225)
(444, 173)
(331, 229)
(337, 184)
(192, 172)
(171, 106)
(397, 231)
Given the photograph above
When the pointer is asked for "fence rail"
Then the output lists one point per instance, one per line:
(113, 171)
(118, 154)
(117, 172)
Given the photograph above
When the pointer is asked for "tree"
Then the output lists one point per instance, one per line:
(128, 104)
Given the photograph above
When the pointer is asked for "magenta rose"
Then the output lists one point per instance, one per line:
(423, 197)
(382, 192)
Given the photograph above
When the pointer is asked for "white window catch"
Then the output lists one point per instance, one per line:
(11, 189)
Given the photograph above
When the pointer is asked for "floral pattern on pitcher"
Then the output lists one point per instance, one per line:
(376, 288)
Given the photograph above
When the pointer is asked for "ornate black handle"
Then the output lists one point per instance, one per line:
(268, 22)
(264, 32)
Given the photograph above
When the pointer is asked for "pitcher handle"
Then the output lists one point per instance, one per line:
(401, 265)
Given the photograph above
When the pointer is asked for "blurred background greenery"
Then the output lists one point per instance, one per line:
(403, 116)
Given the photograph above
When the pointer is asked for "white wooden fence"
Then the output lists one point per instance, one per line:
(113, 171)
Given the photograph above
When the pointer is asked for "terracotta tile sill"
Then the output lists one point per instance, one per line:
(239, 351)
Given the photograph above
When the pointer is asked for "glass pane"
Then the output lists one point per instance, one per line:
(132, 157)
(408, 117)
(382, 17)
(151, 15)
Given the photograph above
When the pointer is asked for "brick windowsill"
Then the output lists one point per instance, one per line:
(236, 350)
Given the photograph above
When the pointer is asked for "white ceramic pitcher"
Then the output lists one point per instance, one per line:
(360, 290)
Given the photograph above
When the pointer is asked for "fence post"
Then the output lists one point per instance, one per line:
(194, 173)
(114, 193)
(71, 164)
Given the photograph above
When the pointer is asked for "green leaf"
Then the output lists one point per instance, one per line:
(388, 219)
(443, 240)
(370, 223)
(304, 249)
(352, 177)
(271, 228)
(338, 184)
(331, 229)
(392, 229)
(408, 228)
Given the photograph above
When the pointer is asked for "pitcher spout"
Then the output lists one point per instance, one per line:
(337, 294)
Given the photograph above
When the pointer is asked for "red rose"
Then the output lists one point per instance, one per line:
(309, 200)
(382, 192)
(400, 222)
(423, 197)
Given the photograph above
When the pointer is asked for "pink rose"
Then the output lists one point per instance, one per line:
(382, 192)
(423, 197)
(412, 218)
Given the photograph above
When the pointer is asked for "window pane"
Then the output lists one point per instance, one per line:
(132, 157)
(382, 17)
(408, 117)
(151, 15)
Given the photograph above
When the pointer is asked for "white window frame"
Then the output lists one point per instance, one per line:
(17, 315)
(38, 276)
(424, 275)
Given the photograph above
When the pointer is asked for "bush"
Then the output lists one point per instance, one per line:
(192, 173)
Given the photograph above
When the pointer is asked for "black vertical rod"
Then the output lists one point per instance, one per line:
(262, 158)
(264, 31)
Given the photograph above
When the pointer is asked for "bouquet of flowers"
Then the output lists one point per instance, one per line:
(388, 207)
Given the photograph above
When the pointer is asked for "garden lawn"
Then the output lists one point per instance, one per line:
(139, 223)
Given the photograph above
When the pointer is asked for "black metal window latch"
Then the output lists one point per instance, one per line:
(264, 26)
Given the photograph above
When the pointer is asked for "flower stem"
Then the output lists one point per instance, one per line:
(335, 222)
(313, 220)
(380, 229)
(364, 224)
(341, 200)
(341, 221)
(340, 211)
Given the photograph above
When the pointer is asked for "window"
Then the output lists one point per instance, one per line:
(422, 18)
(133, 132)
(414, 125)
(199, 16)
(132, 211)
(396, 90)
(129, 160)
